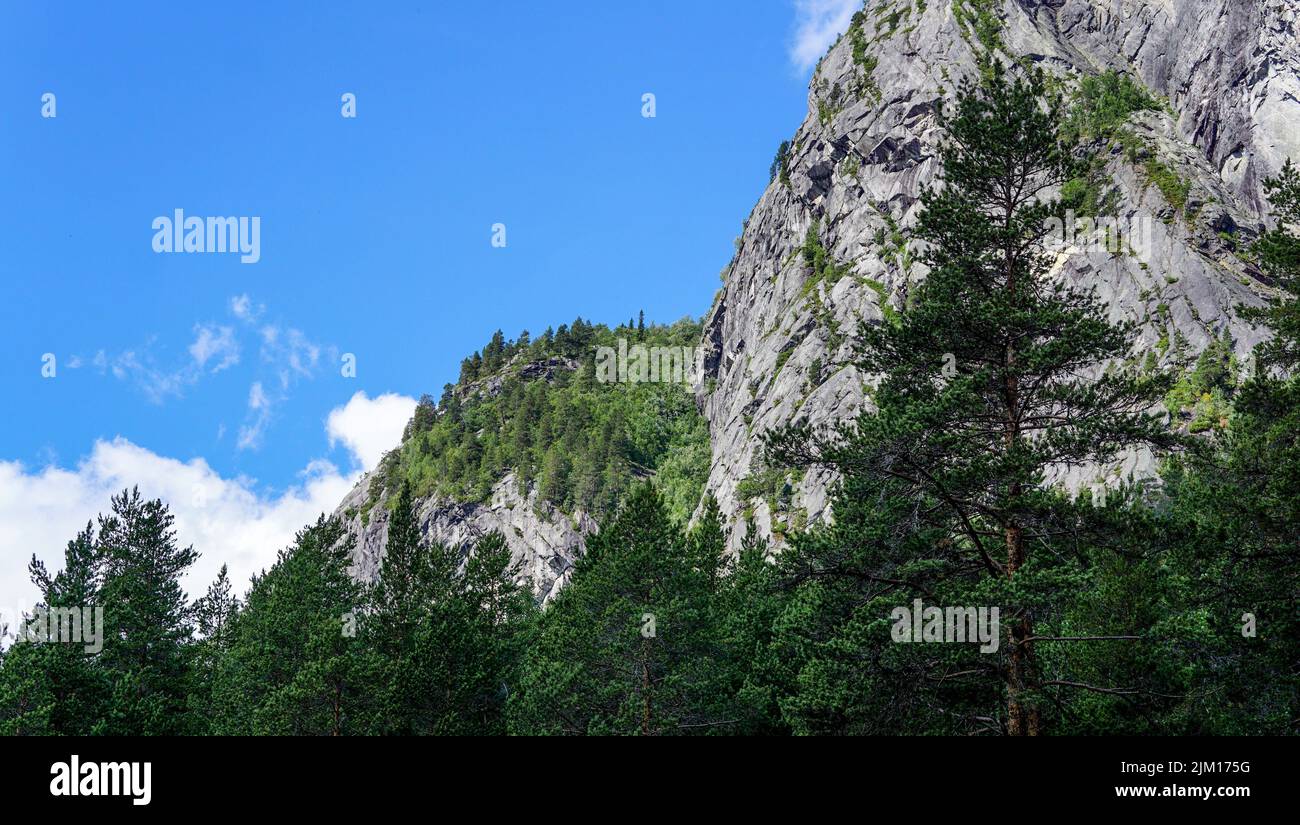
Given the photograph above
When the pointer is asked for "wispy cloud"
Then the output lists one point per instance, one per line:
(259, 415)
(213, 349)
(243, 308)
(216, 344)
(290, 353)
(286, 356)
(289, 356)
(817, 24)
(157, 383)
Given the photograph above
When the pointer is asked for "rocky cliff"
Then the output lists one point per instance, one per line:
(542, 539)
(778, 336)
(777, 341)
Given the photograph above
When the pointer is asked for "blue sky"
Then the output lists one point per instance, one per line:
(216, 379)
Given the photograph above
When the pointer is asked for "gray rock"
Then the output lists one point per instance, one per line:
(542, 540)
(861, 159)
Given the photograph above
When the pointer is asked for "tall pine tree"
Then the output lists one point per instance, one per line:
(991, 382)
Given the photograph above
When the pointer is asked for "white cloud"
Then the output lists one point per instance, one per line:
(225, 519)
(368, 427)
(817, 24)
(214, 343)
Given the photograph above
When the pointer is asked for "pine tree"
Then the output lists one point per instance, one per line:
(136, 681)
(750, 603)
(295, 665)
(405, 574)
(447, 638)
(707, 544)
(146, 616)
(991, 382)
(502, 613)
(1279, 254)
(411, 577)
(213, 614)
(628, 646)
(29, 704)
(58, 688)
(494, 353)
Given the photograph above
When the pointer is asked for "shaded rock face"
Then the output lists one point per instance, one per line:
(543, 541)
(777, 340)
(545, 370)
(1229, 68)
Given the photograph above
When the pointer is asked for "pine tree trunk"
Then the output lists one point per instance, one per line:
(1022, 716)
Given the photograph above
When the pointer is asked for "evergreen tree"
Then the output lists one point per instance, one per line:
(946, 492)
(628, 646)
(746, 602)
(1237, 506)
(146, 616)
(136, 681)
(447, 640)
(415, 581)
(494, 353)
(57, 688)
(1279, 255)
(502, 612)
(212, 620)
(295, 665)
(29, 703)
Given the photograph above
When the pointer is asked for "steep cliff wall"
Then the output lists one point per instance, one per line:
(778, 336)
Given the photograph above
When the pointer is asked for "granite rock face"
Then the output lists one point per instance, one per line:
(542, 540)
(777, 339)
(776, 346)
(1229, 68)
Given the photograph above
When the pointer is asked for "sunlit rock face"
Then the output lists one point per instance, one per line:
(777, 337)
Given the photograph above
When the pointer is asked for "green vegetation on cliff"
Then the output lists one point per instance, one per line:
(535, 407)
